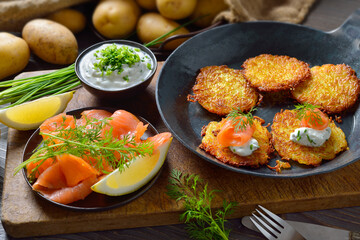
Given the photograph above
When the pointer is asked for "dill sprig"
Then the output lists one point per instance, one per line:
(307, 111)
(240, 119)
(201, 222)
(84, 141)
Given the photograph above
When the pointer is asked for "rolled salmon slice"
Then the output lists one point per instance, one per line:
(60, 121)
(125, 123)
(71, 194)
(44, 164)
(75, 169)
(51, 178)
(98, 114)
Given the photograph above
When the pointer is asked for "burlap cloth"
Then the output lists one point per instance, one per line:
(15, 13)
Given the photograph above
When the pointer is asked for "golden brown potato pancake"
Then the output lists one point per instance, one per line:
(224, 154)
(270, 73)
(285, 123)
(334, 88)
(220, 89)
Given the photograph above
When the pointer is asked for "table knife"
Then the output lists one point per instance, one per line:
(312, 231)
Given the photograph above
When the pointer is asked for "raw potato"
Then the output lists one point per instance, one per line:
(176, 9)
(51, 41)
(210, 8)
(153, 25)
(70, 18)
(14, 54)
(116, 18)
(147, 4)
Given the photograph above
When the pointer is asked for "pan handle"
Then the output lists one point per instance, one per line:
(350, 28)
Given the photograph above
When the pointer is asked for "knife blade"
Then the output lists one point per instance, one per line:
(312, 231)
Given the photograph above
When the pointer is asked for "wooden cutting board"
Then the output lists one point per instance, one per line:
(24, 214)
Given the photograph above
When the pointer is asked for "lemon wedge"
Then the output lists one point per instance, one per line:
(140, 172)
(30, 115)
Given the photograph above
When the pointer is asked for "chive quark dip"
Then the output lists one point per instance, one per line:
(115, 66)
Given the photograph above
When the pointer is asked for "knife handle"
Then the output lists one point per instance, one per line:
(354, 236)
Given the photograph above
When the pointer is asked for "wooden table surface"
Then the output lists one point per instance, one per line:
(325, 15)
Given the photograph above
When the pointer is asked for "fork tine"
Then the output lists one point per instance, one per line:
(274, 216)
(266, 226)
(262, 230)
(271, 222)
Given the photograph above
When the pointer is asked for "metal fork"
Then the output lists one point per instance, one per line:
(273, 227)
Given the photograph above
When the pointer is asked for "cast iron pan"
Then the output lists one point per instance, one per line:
(94, 201)
(231, 45)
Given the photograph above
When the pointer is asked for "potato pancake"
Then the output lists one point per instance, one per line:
(285, 123)
(270, 73)
(334, 88)
(259, 157)
(220, 89)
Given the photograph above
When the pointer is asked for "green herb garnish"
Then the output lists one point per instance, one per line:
(84, 141)
(22, 90)
(314, 117)
(298, 137)
(148, 65)
(113, 57)
(126, 78)
(201, 222)
(240, 123)
(309, 139)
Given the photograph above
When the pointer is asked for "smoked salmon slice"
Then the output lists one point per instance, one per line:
(98, 114)
(52, 178)
(102, 166)
(60, 121)
(68, 180)
(159, 139)
(68, 195)
(315, 119)
(125, 123)
(229, 136)
(42, 166)
(75, 169)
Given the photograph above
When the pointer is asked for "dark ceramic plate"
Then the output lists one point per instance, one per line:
(231, 45)
(95, 201)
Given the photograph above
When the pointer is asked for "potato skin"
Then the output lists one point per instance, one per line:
(153, 25)
(51, 41)
(147, 4)
(176, 9)
(208, 8)
(70, 18)
(14, 54)
(116, 18)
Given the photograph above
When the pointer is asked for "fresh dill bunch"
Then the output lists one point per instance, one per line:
(201, 222)
(86, 141)
(240, 119)
(309, 113)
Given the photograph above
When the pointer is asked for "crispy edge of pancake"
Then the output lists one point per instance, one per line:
(265, 72)
(259, 157)
(220, 89)
(333, 95)
(285, 122)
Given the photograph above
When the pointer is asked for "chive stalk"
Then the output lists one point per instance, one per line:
(18, 91)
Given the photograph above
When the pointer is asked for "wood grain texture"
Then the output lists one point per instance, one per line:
(23, 210)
